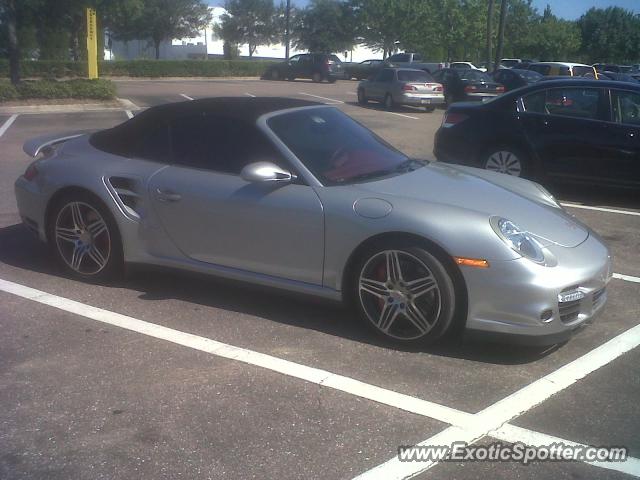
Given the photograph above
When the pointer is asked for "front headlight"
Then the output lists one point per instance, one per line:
(518, 239)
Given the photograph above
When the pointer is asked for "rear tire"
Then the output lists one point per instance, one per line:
(362, 98)
(430, 108)
(84, 238)
(415, 304)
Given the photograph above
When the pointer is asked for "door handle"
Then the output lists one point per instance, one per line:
(167, 196)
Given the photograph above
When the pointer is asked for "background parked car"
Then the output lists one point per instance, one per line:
(565, 130)
(618, 76)
(467, 85)
(363, 70)
(513, 78)
(402, 86)
(413, 60)
(563, 69)
(510, 62)
(463, 65)
(316, 66)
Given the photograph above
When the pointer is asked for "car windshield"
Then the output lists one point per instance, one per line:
(529, 75)
(337, 149)
(414, 76)
(335, 58)
(474, 75)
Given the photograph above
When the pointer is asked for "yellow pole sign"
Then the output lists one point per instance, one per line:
(92, 43)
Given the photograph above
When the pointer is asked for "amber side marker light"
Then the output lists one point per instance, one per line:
(471, 262)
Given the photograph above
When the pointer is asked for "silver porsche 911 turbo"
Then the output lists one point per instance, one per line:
(296, 195)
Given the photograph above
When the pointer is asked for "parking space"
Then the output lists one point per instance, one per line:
(86, 395)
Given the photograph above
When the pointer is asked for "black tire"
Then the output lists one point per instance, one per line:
(400, 330)
(275, 74)
(389, 104)
(332, 79)
(362, 98)
(507, 159)
(91, 208)
(430, 108)
(448, 99)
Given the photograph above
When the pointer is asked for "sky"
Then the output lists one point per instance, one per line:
(569, 9)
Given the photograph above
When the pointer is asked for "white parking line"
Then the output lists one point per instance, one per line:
(513, 434)
(627, 278)
(600, 209)
(250, 95)
(516, 404)
(322, 98)
(129, 113)
(403, 115)
(5, 126)
(464, 427)
(310, 374)
(186, 96)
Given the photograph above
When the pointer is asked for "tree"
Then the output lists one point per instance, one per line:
(556, 39)
(381, 23)
(503, 19)
(250, 22)
(325, 26)
(610, 35)
(489, 34)
(160, 20)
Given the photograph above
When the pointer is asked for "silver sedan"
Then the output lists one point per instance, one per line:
(402, 86)
(296, 195)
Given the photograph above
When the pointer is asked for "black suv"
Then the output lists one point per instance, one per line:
(316, 66)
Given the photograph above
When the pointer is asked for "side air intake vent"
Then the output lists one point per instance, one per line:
(126, 189)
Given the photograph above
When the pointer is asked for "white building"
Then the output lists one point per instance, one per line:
(207, 44)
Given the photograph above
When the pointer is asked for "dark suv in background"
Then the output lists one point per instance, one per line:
(316, 66)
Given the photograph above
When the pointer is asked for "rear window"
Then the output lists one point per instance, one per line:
(582, 71)
(414, 76)
(475, 75)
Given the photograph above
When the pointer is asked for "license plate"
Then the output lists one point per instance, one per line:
(425, 101)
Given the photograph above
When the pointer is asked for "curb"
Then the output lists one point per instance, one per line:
(125, 104)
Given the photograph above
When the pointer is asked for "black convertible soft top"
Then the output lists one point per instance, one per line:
(119, 139)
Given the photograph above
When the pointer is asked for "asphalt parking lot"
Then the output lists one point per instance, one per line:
(166, 375)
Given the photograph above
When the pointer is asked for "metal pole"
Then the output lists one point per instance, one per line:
(286, 29)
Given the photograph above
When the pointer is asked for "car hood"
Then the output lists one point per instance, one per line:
(493, 194)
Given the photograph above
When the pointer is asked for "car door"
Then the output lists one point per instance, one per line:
(621, 164)
(304, 67)
(214, 216)
(293, 66)
(379, 85)
(564, 125)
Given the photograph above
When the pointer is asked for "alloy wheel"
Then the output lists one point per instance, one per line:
(399, 295)
(82, 238)
(504, 161)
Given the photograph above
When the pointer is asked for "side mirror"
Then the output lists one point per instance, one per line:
(265, 172)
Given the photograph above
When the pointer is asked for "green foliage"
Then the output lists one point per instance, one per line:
(556, 39)
(250, 22)
(7, 91)
(143, 68)
(610, 35)
(325, 26)
(50, 89)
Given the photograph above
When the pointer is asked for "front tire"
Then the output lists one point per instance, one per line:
(389, 104)
(84, 238)
(430, 109)
(403, 293)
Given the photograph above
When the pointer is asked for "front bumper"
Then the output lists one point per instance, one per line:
(419, 100)
(519, 300)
